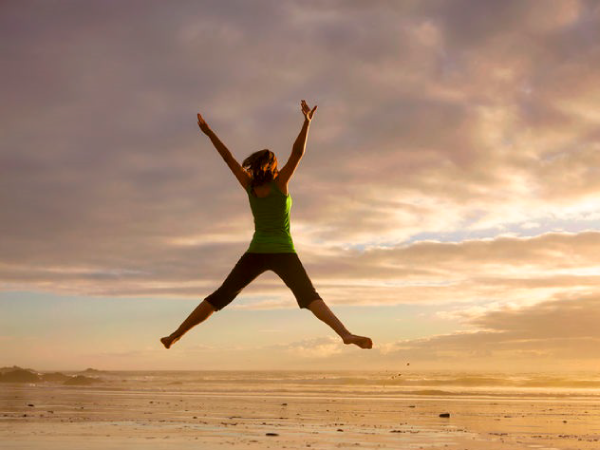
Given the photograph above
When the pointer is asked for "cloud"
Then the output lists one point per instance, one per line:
(433, 119)
(315, 348)
(559, 332)
(478, 271)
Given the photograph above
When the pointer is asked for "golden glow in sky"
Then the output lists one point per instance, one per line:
(446, 204)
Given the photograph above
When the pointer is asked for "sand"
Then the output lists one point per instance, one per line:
(75, 417)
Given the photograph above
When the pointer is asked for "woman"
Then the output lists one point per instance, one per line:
(271, 247)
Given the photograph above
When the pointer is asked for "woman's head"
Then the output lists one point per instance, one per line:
(262, 166)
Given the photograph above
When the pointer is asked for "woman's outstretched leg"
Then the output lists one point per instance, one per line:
(249, 266)
(322, 311)
(198, 315)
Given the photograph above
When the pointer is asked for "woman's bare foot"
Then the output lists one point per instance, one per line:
(167, 341)
(361, 341)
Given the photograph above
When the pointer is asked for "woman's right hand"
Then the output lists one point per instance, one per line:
(203, 125)
(308, 113)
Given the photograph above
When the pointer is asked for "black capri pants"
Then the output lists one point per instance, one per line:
(251, 265)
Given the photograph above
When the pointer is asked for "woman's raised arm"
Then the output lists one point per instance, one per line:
(299, 146)
(239, 172)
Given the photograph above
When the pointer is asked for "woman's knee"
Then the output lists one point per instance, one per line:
(208, 305)
(314, 303)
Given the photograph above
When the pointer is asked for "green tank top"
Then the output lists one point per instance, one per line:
(271, 222)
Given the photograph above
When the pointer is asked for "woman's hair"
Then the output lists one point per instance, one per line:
(262, 166)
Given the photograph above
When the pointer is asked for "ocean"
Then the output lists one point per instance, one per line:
(356, 383)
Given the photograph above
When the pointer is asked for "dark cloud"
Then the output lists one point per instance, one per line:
(557, 331)
(432, 117)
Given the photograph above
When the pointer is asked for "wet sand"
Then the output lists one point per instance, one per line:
(73, 417)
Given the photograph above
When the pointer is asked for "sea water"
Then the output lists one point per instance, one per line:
(390, 384)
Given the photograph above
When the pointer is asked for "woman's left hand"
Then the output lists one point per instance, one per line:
(308, 113)
(203, 125)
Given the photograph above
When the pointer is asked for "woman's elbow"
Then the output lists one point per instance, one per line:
(298, 150)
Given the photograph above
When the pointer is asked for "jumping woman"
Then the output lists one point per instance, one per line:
(271, 247)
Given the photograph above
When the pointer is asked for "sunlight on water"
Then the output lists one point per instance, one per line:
(383, 383)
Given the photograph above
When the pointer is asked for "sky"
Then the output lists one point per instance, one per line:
(447, 205)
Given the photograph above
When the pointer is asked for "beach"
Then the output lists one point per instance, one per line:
(254, 410)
